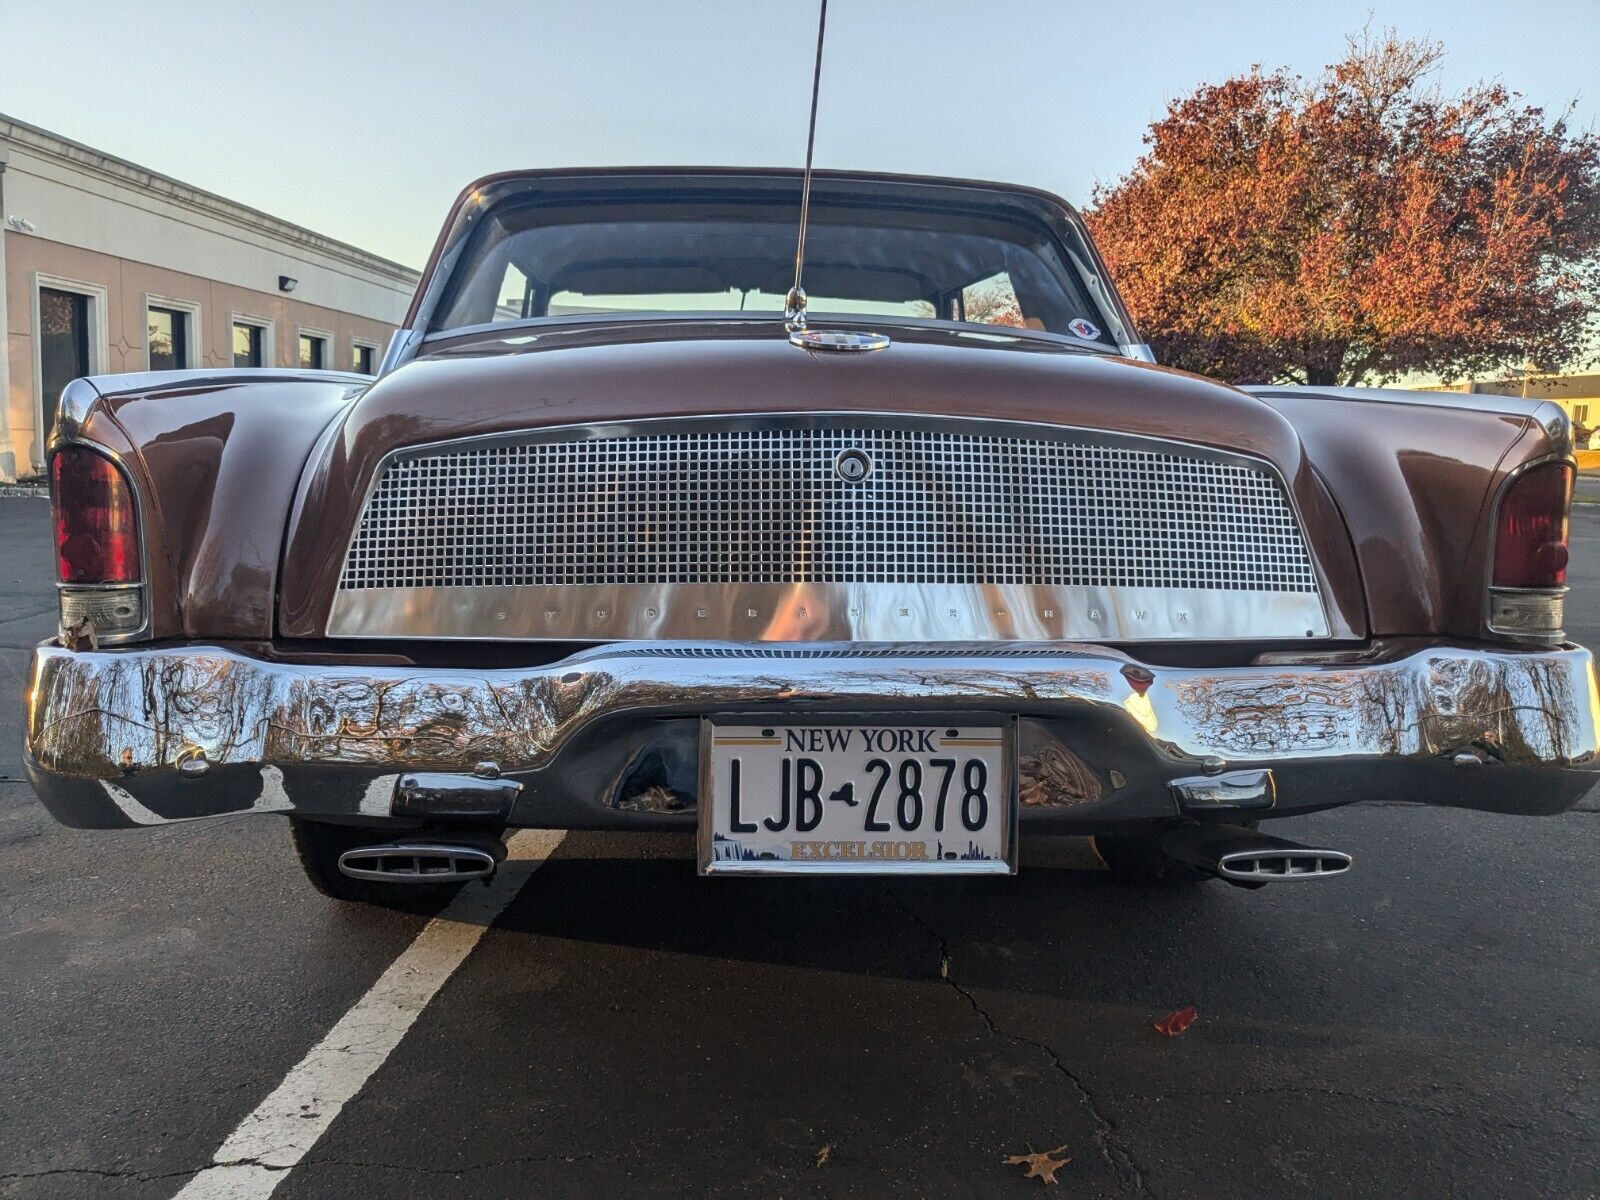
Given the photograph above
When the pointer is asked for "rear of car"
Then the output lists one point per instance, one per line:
(602, 549)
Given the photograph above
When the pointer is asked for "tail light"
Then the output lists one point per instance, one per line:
(98, 569)
(1527, 587)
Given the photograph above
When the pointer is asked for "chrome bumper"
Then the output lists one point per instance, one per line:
(609, 737)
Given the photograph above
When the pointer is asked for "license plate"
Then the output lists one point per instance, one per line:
(857, 799)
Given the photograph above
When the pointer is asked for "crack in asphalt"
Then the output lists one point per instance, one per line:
(141, 1176)
(17, 839)
(1121, 1159)
(358, 1164)
(135, 1176)
(31, 614)
(466, 1169)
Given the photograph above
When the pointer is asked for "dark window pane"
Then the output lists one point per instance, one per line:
(312, 352)
(362, 363)
(63, 346)
(247, 341)
(168, 339)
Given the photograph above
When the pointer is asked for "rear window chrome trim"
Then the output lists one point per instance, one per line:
(534, 325)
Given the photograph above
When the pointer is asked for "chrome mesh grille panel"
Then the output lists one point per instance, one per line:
(758, 506)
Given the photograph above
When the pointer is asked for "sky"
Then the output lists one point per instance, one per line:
(362, 120)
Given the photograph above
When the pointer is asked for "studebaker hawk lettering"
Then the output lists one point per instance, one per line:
(884, 574)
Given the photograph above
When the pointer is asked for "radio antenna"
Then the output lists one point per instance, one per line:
(794, 306)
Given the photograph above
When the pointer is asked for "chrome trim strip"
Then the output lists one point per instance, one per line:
(825, 418)
(787, 612)
(403, 346)
(1510, 406)
(202, 377)
(98, 587)
(531, 328)
(881, 611)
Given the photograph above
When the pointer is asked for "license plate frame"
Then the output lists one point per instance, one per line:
(1004, 793)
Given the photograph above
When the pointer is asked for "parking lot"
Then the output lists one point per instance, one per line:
(1423, 1027)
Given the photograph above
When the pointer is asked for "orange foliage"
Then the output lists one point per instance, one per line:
(1357, 227)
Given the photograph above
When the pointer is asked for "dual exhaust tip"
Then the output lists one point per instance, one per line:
(422, 860)
(1248, 858)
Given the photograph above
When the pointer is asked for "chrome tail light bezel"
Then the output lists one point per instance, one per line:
(118, 611)
(1534, 616)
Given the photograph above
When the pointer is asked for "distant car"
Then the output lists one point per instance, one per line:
(615, 542)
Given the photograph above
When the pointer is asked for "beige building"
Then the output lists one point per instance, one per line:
(105, 267)
(1578, 395)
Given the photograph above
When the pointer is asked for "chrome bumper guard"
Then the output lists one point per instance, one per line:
(608, 738)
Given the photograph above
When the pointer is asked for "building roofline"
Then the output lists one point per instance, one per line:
(129, 174)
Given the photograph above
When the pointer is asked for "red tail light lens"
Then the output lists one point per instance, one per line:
(97, 533)
(1530, 544)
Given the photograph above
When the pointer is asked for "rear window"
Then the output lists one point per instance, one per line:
(529, 262)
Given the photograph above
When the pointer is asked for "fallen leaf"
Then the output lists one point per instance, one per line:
(822, 1155)
(80, 636)
(1041, 1165)
(1175, 1023)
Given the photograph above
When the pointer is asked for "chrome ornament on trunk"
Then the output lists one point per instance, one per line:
(848, 340)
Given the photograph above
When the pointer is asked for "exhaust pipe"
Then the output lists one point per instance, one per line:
(1248, 858)
(421, 861)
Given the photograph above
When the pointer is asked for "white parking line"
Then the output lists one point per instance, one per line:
(259, 1153)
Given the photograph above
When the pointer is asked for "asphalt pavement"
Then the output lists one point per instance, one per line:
(1424, 1027)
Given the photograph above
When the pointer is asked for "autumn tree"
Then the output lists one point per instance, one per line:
(992, 304)
(1357, 226)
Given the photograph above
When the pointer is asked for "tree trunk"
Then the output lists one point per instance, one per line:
(1321, 377)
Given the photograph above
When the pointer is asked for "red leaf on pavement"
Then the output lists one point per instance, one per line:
(1042, 1165)
(1175, 1023)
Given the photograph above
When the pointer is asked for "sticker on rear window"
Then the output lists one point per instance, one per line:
(1084, 329)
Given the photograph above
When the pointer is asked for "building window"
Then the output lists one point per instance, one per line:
(249, 345)
(313, 351)
(361, 358)
(69, 324)
(63, 346)
(172, 334)
(169, 338)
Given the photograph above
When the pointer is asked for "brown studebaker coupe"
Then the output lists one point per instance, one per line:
(880, 584)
